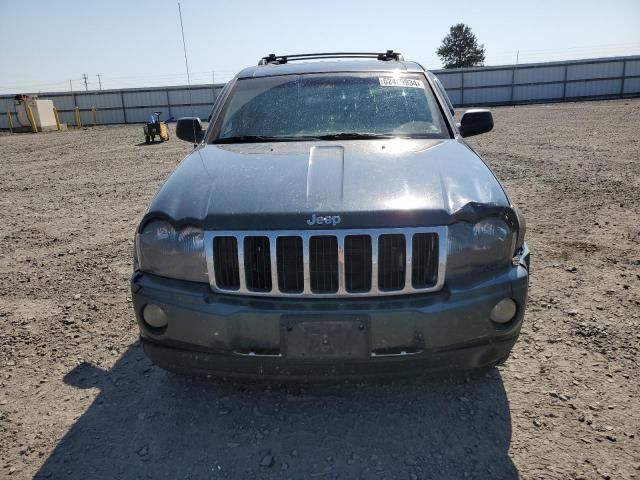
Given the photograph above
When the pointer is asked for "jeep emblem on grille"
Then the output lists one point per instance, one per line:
(328, 220)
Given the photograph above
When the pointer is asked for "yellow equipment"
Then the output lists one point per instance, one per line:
(156, 127)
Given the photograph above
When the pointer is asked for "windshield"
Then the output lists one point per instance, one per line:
(330, 106)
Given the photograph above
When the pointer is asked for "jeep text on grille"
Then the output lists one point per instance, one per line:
(328, 220)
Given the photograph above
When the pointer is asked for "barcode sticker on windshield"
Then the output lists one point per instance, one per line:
(400, 82)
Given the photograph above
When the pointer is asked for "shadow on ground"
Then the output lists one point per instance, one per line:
(150, 144)
(146, 423)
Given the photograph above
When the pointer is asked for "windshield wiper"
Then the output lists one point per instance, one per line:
(332, 136)
(355, 136)
(260, 138)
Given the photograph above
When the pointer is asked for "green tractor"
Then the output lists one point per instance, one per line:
(156, 127)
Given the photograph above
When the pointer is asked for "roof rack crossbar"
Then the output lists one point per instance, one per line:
(282, 59)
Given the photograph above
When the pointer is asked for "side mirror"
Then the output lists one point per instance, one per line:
(475, 122)
(189, 129)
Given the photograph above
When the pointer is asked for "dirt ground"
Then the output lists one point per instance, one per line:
(79, 400)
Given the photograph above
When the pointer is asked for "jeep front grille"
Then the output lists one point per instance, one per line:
(392, 262)
(323, 264)
(357, 263)
(257, 264)
(226, 271)
(290, 266)
(327, 263)
(424, 271)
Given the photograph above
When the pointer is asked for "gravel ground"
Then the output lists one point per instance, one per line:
(79, 400)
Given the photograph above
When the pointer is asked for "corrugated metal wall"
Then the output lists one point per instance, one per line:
(504, 85)
(543, 82)
(125, 106)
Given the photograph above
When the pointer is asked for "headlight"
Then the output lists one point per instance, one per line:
(167, 252)
(522, 227)
(481, 247)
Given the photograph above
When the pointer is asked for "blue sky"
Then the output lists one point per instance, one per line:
(44, 44)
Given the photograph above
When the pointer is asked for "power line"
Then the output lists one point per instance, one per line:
(494, 57)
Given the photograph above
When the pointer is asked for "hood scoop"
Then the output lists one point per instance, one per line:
(325, 178)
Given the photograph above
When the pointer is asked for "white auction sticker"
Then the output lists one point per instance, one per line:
(400, 82)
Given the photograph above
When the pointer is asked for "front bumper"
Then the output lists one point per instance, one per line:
(246, 336)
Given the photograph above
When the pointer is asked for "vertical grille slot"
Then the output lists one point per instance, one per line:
(257, 264)
(424, 268)
(225, 259)
(357, 263)
(391, 262)
(290, 264)
(323, 266)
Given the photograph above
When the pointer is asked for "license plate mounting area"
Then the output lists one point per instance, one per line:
(322, 338)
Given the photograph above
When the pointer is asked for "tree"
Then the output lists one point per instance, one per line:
(460, 48)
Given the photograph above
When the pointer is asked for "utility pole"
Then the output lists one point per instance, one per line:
(513, 76)
(71, 85)
(99, 82)
(84, 77)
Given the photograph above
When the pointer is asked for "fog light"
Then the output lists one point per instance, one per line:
(504, 311)
(154, 316)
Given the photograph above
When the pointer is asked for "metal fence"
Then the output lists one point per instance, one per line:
(614, 77)
(132, 105)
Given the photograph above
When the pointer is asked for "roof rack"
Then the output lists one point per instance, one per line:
(273, 59)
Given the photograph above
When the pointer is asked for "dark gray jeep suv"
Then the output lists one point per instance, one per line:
(331, 221)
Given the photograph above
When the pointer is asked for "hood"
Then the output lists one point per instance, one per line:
(368, 183)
